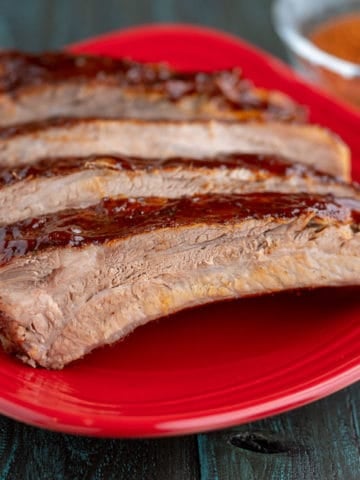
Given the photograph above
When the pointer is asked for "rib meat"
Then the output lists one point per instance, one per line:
(307, 144)
(34, 87)
(139, 259)
(76, 182)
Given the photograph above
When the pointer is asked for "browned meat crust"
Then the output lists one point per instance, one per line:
(58, 83)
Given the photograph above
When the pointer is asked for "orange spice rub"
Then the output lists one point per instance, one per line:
(340, 36)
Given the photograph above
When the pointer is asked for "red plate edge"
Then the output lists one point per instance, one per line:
(179, 424)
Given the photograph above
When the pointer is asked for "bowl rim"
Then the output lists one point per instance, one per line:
(304, 48)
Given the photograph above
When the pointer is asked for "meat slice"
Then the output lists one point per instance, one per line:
(306, 144)
(34, 87)
(54, 184)
(79, 279)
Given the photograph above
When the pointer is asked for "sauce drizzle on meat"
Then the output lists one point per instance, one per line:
(119, 218)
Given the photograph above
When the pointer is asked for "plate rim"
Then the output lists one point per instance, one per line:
(113, 426)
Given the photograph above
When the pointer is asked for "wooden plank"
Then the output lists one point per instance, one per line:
(34, 454)
(318, 442)
(41, 24)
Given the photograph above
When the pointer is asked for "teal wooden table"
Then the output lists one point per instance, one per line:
(318, 442)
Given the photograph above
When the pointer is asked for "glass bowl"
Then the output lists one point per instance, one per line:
(294, 20)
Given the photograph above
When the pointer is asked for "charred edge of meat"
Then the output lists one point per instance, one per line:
(18, 70)
(119, 218)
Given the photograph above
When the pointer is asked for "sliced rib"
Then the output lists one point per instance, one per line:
(34, 87)
(306, 144)
(54, 184)
(79, 279)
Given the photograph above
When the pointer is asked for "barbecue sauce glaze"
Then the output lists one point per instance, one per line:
(120, 218)
(262, 165)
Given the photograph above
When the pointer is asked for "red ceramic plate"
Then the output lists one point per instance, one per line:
(216, 366)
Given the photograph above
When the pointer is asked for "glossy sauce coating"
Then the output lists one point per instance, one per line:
(264, 165)
(120, 218)
(18, 70)
(356, 217)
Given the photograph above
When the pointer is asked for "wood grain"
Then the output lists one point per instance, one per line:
(35, 454)
(44, 24)
(318, 442)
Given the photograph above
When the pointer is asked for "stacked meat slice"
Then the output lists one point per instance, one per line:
(78, 182)
(35, 87)
(150, 139)
(183, 189)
